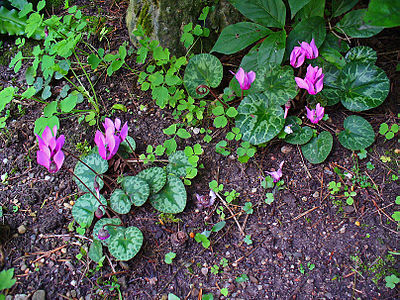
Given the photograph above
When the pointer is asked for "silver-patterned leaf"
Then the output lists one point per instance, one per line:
(172, 198)
(259, 119)
(358, 134)
(361, 54)
(137, 189)
(120, 202)
(178, 163)
(99, 165)
(202, 69)
(84, 208)
(155, 177)
(126, 243)
(276, 82)
(353, 25)
(300, 135)
(318, 149)
(106, 224)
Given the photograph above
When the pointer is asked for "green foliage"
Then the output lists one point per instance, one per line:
(85, 207)
(389, 133)
(96, 251)
(353, 25)
(318, 149)
(172, 198)
(300, 135)
(248, 208)
(358, 134)
(245, 152)
(242, 278)
(169, 257)
(6, 279)
(383, 13)
(126, 243)
(391, 281)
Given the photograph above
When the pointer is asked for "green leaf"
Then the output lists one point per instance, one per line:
(42, 122)
(11, 23)
(272, 49)
(173, 297)
(85, 207)
(296, 5)
(137, 189)
(314, 8)
(155, 177)
(112, 230)
(6, 96)
(341, 6)
(383, 128)
(126, 243)
(202, 69)
(300, 135)
(362, 54)
(259, 119)
(6, 279)
(170, 146)
(362, 86)
(385, 13)
(358, 134)
(33, 23)
(231, 112)
(161, 95)
(249, 62)
(96, 251)
(217, 227)
(270, 13)
(183, 133)
(172, 198)
(220, 122)
(276, 82)
(236, 37)
(318, 149)
(392, 280)
(170, 130)
(87, 176)
(396, 216)
(69, 103)
(304, 31)
(50, 109)
(169, 257)
(30, 92)
(120, 202)
(93, 61)
(353, 25)
(178, 163)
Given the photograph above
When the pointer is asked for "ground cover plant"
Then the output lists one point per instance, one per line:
(266, 168)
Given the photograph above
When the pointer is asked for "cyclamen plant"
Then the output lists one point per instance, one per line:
(162, 186)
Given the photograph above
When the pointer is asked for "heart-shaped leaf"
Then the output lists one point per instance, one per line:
(104, 223)
(358, 134)
(126, 243)
(84, 208)
(300, 135)
(172, 198)
(276, 82)
(137, 189)
(120, 202)
(362, 54)
(259, 119)
(96, 251)
(236, 37)
(178, 164)
(383, 13)
(318, 149)
(353, 25)
(87, 176)
(202, 69)
(331, 91)
(155, 177)
(362, 86)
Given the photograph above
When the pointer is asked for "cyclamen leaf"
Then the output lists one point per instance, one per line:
(155, 177)
(96, 251)
(120, 202)
(126, 243)
(106, 224)
(137, 189)
(238, 36)
(178, 163)
(362, 54)
(172, 198)
(85, 207)
(300, 135)
(318, 149)
(358, 134)
(272, 49)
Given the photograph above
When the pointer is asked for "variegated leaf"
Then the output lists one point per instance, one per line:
(120, 202)
(358, 134)
(155, 177)
(318, 149)
(362, 54)
(106, 224)
(126, 243)
(84, 208)
(172, 198)
(137, 189)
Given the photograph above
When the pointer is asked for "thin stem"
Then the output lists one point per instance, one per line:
(203, 89)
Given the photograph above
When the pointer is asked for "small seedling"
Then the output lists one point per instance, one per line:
(391, 281)
(350, 196)
(224, 292)
(334, 187)
(370, 166)
(242, 278)
(269, 198)
(215, 269)
(248, 208)
(247, 239)
(169, 257)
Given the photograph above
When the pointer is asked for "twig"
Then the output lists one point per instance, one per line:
(304, 165)
(305, 213)
(227, 206)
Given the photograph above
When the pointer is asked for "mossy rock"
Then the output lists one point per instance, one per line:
(163, 20)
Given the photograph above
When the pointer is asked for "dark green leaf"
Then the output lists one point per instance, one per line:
(385, 13)
(272, 49)
(353, 25)
(85, 207)
(300, 135)
(362, 54)
(172, 198)
(296, 5)
(96, 251)
(178, 163)
(341, 6)
(106, 224)
(318, 149)
(357, 134)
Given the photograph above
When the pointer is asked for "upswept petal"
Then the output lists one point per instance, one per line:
(314, 49)
(251, 77)
(319, 84)
(240, 77)
(117, 124)
(307, 49)
(301, 83)
(47, 135)
(99, 139)
(124, 132)
(108, 123)
(58, 159)
(43, 159)
(59, 143)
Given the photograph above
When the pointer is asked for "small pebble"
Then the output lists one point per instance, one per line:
(21, 229)
(47, 177)
(286, 149)
(316, 195)
(196, 130)
(5, 160)
(204, 271)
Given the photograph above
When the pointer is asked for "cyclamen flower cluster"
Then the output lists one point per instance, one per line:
(50, 154)
(114, 135)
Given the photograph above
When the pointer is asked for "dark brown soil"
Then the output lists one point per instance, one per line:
(304, 246)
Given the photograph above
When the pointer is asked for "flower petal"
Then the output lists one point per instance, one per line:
(43, 159)
(240, 77)
(301, 83)
(124, 132)
(59, 159)
(314, 49)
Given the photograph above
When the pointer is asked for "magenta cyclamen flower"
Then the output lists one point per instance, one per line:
(276, 175)
(309, 51)
(313, 82)
(50, 154)
(108, 144)
(315, 115)
(245, 79)
(103, 234)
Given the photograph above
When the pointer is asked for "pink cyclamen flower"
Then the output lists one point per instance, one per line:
(306, 50)
(314, 80)
(122, 133)
(108, 144)
(103, 234)
(276, 175)
(245, 79)
(204, 201)
(50, 154)
(315, 115)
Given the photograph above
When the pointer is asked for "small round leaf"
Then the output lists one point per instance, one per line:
(126, 243)
(358, 134)
(137, 189)
(178, 163)
(172, 198)
(96, 251)
(318, 149)
(155, 177)
(120, 202)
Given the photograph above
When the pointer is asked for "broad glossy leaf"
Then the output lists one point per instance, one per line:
(84, 208)
(362, 54)
(126, 243)
(105, 223)
(270, 13)
(236, 37)
(120, 202)
(296, 5)
(304, 31)
(341, 6)
(331, 91)
(259, 118)
(155, 177)
(353, 25)
(300, 135)
(363, 86)
(385, 13)
(333, 42)
(178, 163)
(250, 60)
(6, 96)
(202, 69)
(314, 8)
(94, 161)
(276, 82)
(172, 198)
(127, 147)
(318, 149)
(96, 251)
(358, 134)
(272, 49)
(137, 189)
